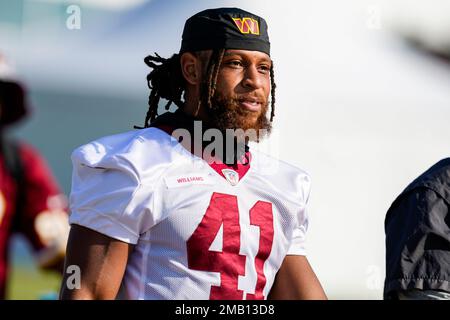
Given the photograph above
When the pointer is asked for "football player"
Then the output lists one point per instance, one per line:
(160, 213)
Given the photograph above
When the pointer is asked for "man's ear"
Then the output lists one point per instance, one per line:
(190, 67)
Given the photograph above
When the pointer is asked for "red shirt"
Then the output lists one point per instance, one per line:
(41, 194)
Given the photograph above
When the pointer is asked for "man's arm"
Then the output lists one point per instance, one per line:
(296, 280)
(101, 261)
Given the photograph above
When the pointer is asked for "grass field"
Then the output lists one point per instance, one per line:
(27, 283)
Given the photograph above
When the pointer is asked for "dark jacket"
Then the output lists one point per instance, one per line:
(417, 229)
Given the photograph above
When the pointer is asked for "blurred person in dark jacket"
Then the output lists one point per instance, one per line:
(418, 238)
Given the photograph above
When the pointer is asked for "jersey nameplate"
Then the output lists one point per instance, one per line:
(187, 180)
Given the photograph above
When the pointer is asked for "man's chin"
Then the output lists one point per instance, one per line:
(248, 125)
(254, 131)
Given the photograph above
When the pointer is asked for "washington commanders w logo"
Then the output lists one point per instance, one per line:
(247, 25)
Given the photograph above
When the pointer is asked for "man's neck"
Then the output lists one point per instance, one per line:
(195, 109)
(182, 120)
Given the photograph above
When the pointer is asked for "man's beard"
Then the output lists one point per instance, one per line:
(226, 113)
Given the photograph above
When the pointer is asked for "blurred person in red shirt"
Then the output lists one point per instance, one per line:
(31, 202)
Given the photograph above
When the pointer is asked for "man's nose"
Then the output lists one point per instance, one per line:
(252, 78)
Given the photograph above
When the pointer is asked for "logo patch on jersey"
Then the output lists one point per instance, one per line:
(231, 176)
(247, 25)
(185, 180)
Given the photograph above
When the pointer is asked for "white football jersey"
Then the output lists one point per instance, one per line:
(198, 234)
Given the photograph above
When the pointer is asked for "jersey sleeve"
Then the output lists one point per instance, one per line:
(298, 242)
(43, 216)
(108, 195)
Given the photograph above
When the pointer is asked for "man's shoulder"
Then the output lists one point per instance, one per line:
(263, 160)
(287, 175)
(436, 178)
(434, 182)
(137, 149)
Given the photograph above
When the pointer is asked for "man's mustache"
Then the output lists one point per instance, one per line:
(251, 98)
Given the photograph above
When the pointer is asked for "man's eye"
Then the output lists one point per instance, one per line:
(235, 63)
(264, 69)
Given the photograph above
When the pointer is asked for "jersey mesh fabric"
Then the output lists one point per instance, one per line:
(145, 189)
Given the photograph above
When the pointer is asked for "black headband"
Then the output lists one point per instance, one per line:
(225, 28)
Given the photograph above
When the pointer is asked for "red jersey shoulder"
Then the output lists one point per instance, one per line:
(36, 168)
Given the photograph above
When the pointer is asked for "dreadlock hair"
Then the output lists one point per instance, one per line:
(166, 81)
(272, 93)
(211, 76)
